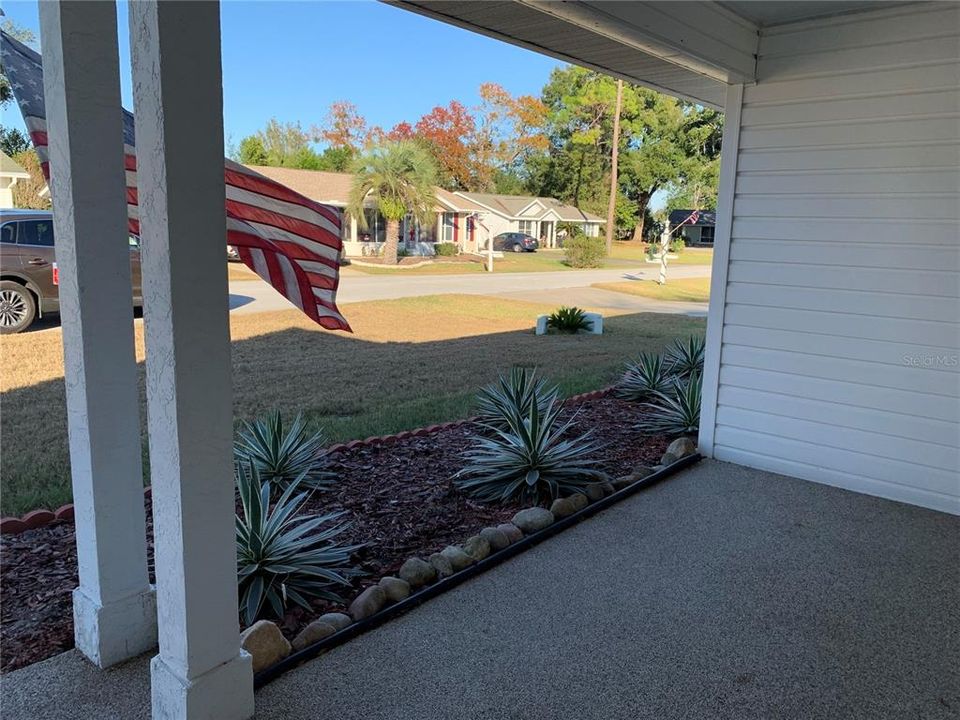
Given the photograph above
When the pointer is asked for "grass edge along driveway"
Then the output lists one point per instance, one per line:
(411, 362)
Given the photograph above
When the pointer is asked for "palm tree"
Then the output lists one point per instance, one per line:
(399, 177)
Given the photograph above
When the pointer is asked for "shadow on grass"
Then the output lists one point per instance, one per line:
(350, 387)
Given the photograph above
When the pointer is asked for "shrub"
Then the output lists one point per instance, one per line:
(568, 320)
(582, 251)
(402, 252)
(529, 459)
(653, 251)
(282, 456)
(282, 556)
(677, 411)
(513, 393)
(445, 249)
(644, 378)
(677, 245)
(686, 356)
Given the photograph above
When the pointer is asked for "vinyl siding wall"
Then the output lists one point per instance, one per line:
(838, 358)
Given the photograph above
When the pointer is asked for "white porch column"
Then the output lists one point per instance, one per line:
(200, 671)
(114, 608)
(353, 229)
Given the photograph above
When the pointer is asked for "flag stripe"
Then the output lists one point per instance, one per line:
(289, 240)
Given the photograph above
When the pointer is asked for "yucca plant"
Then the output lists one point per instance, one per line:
(283, 455)
(568, 320)
(644, 378)
(284, 557)
(675, 412)
(529, 459)
(685, 356)
(514, 392)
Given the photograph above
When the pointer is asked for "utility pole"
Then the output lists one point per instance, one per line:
(614, 153)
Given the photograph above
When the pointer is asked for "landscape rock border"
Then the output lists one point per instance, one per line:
(424, 588)
(42, 517)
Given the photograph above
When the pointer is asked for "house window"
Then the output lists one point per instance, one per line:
(706, 234)
(526, 226)
(449, 220)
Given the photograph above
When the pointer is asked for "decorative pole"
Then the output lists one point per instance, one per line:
(664, 249)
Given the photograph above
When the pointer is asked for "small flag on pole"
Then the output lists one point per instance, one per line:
(290, 241)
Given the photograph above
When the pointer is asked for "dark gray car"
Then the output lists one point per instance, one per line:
(28, 269)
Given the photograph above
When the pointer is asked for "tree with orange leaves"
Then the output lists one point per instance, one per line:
(448, 133)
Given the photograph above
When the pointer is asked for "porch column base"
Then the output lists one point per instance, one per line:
(111, 633)
(225, 692)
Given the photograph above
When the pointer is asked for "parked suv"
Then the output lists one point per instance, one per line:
(515, 242)
(28, 269)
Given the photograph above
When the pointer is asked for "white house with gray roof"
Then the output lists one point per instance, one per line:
(540, 217)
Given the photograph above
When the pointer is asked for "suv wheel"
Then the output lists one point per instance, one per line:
(17, 307)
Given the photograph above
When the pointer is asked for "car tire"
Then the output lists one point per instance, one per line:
(518, 248)
(18, 308)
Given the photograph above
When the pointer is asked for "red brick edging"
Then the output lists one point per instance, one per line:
(42, 518)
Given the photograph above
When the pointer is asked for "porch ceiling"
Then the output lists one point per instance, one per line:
(688, 49)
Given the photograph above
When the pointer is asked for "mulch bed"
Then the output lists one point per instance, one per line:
(398, 498)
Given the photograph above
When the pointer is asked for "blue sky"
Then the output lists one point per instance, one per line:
(290, 60)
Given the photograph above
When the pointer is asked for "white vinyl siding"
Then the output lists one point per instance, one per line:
(841, 316)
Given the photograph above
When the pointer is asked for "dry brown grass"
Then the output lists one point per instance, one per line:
(239, 271)
(687, 289)
(410, 362)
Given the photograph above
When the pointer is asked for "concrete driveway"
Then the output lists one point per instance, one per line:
(250, 296)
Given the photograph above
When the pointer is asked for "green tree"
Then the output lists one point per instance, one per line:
(252, 151)
(664, 143)
(12, 141)
(399, 178)
(280, 145)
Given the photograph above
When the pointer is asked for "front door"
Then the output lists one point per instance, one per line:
(546, 233)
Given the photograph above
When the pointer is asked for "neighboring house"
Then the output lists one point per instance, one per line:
(10, 174)
(695, 233)
(467, 219)
(537, 216)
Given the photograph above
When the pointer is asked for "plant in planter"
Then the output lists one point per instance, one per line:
(284, 557)
(677, 411)
(281, 455)
(529, 459)
(568, 320)
(644, 378)
(685, 356)
(511, 394)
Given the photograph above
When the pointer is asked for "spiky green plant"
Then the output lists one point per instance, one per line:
(685, 355)
(675, 412)
(568, 320)
(529, 459)
(284, 557)
(644, 378)
(514, 392)
(284, 455)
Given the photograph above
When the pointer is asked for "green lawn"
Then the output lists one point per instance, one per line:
(623, 255)
(410, 362)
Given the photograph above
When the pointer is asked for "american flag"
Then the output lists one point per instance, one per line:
(692, 218)
(289, 240)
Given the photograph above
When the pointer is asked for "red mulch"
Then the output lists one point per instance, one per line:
(398, 497)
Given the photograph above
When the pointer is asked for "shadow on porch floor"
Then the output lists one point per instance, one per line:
(721, 593)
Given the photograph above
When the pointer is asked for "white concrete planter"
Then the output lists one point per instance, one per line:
(595, 320)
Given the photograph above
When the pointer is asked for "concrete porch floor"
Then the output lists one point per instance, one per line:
(722, 593)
